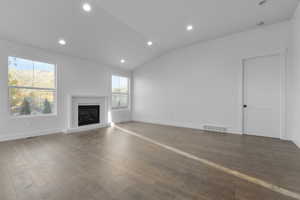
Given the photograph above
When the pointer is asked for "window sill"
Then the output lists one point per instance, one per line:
(32, 116)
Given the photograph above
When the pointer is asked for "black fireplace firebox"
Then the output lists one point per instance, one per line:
(88, 114)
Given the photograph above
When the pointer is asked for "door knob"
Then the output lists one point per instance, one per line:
(245, 106)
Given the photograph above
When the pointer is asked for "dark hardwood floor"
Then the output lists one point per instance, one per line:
(109, 164)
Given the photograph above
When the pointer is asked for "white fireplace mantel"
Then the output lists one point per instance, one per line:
(75, 100)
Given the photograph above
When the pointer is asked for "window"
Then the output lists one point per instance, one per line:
(32, 87)
(120, 92)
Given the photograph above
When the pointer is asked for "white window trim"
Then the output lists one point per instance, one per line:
(54, 114)
(119, 93)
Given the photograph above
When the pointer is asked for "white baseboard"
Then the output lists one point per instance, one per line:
(8, 137)
(297, 143)
(184, 125)
(85, 128)
(29, 134)
(125, 121)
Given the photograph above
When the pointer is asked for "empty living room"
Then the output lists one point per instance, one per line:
(150, 100)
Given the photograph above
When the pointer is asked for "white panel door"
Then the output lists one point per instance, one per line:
(262, 100)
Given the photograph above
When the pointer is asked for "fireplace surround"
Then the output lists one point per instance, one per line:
(89, 120)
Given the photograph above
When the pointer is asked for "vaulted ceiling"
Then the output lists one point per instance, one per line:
(120, 29)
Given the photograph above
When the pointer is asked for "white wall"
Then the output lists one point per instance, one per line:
(293, 117)
(75, 76)
(202, 83)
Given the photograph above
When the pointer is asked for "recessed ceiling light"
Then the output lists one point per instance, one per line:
(261, 23)
(122, 61)
(149, 43)
(262, 2)
(189, 27)
(86, 7)
(62, 42)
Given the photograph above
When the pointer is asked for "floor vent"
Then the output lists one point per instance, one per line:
(215, 129)
(31, 138)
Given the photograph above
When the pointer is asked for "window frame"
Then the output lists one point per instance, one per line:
(120, 93)
(33, 88)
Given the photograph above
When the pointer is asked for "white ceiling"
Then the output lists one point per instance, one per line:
(118, 29)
